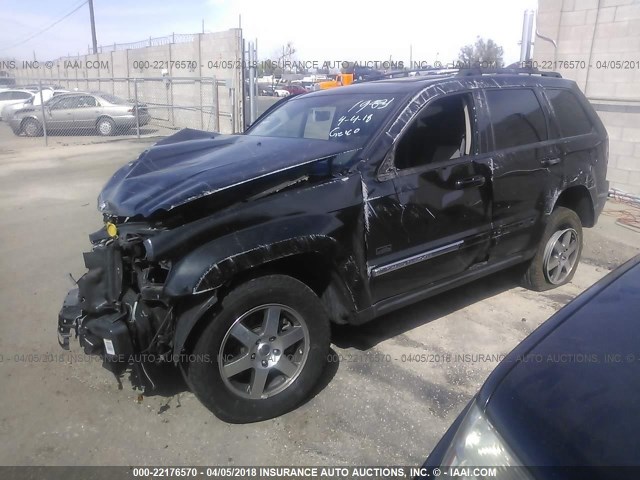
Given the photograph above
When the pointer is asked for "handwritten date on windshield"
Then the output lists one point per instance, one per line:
(349, 125)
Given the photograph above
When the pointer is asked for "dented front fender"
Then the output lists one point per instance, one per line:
(210, 265)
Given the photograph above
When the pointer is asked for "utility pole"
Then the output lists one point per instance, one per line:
(527, 37)
(93, 28)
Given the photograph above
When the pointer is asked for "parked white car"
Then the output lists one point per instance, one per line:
(8, 111)
(281, 92)
(11, 97)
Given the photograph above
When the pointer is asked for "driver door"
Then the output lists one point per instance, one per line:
(60, 115)
(437, 216)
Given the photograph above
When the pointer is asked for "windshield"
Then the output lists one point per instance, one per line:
(350, 119)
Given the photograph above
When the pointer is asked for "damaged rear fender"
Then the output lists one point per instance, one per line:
(214, 263)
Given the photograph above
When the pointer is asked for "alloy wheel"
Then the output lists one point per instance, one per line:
(560, 256)
(31, 128)
(105, 128)
(264, 351)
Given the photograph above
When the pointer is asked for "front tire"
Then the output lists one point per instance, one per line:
(32, 128)
(558, 254)
(263, 351)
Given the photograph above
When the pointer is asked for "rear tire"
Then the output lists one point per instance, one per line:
(263, 351)
(558, 254)
(106, 127)
(32, 128)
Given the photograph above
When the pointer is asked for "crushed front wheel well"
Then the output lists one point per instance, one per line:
(314, 270)
(579, 200)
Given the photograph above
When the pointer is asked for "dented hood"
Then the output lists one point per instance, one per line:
(192, 164)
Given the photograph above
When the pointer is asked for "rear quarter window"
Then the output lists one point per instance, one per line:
(517, 117)
(571, 117)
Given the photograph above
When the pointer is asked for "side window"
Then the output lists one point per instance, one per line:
(22, 95)
(441, 131)
(69, 102)
(54, 102)
(5, 95)
(63, 103)
(517, 117)
(571, 117)
(86, 102)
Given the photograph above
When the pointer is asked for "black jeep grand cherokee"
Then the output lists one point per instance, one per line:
(230, 255)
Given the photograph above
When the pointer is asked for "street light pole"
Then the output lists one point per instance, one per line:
(93, 28)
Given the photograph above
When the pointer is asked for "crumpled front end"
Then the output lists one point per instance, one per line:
(117, 310)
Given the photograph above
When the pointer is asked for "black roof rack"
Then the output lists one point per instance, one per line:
(461, 72)
(466, 72)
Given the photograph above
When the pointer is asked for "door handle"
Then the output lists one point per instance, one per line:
(547, 162)
(475, 181)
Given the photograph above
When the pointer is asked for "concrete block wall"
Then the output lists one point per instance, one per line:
(188, 100)
(595, 34)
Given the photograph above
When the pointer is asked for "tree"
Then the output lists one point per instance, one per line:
(482, 54)
(287, 56)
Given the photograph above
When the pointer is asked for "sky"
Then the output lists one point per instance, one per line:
(340, 30)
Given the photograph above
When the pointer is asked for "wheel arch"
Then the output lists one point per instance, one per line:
(27, 118)
(103, 116)
(579, 199)
(312, 268)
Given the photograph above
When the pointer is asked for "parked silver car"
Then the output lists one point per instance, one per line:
(102, 112)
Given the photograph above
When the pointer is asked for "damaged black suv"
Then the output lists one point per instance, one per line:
(231, 255)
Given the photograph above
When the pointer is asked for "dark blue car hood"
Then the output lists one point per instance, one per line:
(192, 164)
(573, 398)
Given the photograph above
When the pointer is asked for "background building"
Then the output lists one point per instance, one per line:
(598, 46)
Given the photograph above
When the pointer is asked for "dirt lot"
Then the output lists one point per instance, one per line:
(61, 410)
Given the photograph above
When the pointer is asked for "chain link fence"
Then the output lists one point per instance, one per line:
(124, 107)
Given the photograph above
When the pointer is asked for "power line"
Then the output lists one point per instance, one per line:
(40, 32)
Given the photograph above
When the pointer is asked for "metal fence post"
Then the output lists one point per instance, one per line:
(215, 108)
(200, 89)
(232, 96)
(44, 118)
(135, 93)
(252, 83)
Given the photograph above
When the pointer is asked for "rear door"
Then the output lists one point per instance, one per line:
(437, 224)
(527, 168)
(86, 114)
